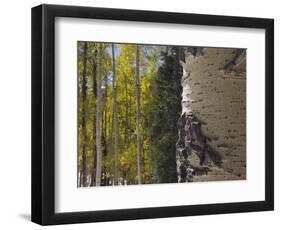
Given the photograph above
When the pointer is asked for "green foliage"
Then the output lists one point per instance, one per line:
(163, 118)
(159, 105)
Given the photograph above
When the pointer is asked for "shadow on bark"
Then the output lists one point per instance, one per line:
(194, 155)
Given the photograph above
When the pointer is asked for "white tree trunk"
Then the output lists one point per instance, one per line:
(212, 127)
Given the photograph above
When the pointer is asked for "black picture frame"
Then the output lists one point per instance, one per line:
(43, 114)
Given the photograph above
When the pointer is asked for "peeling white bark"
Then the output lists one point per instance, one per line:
(207, 93)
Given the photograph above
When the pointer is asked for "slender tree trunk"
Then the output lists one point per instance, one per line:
(138, 115)
(115, 121)
(84, 122)
(102, 130)
(80, 178)
(127, 115)
(105, 117)
(129, 118)
(94, 163)
(98, 120)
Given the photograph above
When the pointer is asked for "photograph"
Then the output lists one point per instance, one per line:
(140, 114)
(156, 114)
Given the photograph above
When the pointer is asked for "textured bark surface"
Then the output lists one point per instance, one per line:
(212, 127)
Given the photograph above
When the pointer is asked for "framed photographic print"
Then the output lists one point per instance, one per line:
(142, 114)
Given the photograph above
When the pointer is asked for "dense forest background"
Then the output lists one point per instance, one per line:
(129, 100)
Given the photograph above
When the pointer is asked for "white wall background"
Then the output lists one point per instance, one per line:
(15, 113)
